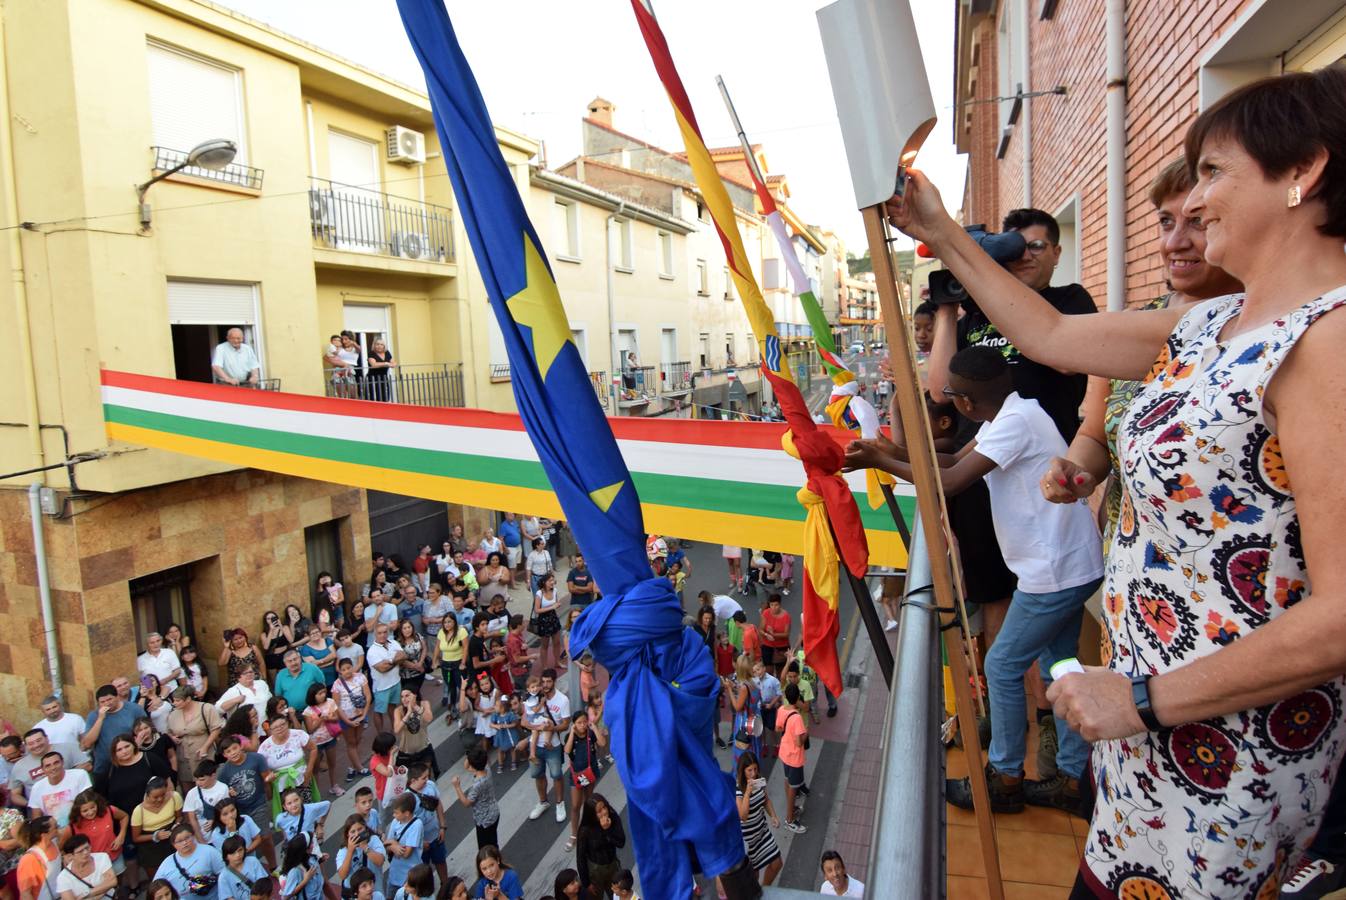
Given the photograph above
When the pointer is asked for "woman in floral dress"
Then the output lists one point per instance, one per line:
(1218, 720)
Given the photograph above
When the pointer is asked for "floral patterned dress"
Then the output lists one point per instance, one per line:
(1207, 548)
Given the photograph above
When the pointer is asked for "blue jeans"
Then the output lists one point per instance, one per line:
(1045, 628)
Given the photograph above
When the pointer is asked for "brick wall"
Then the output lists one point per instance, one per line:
(1164, 42)
(242, 531)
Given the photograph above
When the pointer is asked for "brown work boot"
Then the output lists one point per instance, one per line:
(1007, 791)
(1060, 792)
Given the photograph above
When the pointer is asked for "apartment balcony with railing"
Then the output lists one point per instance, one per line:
(359, 220)
(675, 378)
(431, 384)
(638, 387)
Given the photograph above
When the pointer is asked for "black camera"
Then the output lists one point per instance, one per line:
(945, 290)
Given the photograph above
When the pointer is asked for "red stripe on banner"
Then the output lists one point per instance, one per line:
(704, 432)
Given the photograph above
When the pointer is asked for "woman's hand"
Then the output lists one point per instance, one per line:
(775, 821)
(1066, 481)
(1097, 704)
(919, 212)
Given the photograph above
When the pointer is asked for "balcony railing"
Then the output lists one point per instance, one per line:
(346, 217)
(262, 384)
(434, 384)
(236, 174)
(675, 377)
(600, 383)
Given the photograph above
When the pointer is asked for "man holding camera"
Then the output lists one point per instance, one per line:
(988, 581)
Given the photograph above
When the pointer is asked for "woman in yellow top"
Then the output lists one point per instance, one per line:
(452, 640)
(152, 823)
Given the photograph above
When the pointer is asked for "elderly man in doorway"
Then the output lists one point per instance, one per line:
(234, 362)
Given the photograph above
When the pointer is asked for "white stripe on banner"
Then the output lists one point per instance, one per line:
(716, 463)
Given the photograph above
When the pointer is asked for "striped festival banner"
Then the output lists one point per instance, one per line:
(719, 482)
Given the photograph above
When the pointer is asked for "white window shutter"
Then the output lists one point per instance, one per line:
(193, 100)
(211, 303)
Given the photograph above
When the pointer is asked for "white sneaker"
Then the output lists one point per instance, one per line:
(539, 809)
(433, 679)
(892, 623)
(560, 812)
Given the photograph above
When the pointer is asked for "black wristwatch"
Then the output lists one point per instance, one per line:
(1140, 694)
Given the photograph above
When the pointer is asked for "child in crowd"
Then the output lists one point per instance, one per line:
(677, 578)
(367, 809)
(198, 804)
(228, 822)
(382, 760)
(505, 725)
(241, 870)
(794, 676)
(770, 688)
(1053, 549)
(322, 721)
(480, 796)
(362, 887)
(360, 849)
(404, 838)
(517, 654)
(430, 812)
(91, 816)
(420, 884)
(588, 681)
(303, 870)
(624, 885)
(298, 817)
(348, 649)
(750, 640)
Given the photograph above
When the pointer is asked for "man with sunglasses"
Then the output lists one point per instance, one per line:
(988, 581)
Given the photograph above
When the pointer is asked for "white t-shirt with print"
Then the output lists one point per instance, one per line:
(559, 707)
(293, 751)
(1049, 546)
(55, 800)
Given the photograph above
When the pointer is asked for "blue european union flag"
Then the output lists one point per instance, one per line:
(551, 385)
(661, 698)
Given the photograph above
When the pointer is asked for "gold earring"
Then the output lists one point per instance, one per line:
(1295, 197)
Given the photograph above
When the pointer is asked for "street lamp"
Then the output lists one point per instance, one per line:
(213, 154)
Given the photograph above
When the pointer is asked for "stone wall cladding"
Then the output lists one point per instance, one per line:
(244, 531)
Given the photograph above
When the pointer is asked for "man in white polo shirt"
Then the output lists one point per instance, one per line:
(159, 661)
(234, 362)
(836, 883)
(383, 657)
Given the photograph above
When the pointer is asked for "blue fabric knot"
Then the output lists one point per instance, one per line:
(680, 804)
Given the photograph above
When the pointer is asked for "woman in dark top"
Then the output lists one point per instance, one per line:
(131, 767)
(377, 366)
(274, 641)
(601, 836)
(705, 626)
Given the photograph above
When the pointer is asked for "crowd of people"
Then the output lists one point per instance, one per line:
(1205, 750)
(182, 785)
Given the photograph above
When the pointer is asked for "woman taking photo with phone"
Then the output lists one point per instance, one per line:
(754, 808)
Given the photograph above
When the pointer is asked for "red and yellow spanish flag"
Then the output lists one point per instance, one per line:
(830, 504)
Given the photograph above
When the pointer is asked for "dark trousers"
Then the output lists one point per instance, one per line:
(453, 680)
(486, 835)
(1330, 841)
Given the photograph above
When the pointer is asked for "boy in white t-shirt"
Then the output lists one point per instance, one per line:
(1052, 548)
(198, 804)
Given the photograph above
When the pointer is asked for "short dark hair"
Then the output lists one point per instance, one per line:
(1281, 122)
(624, 880)
(549, 673)
(926, 308)
(204, 767)
(265, 887)
(939, 408)
(104, 690)
(1017, 219)
(73, 843)
(404, 803)
(478, 757)
(361, 876)
(829, 855)
(791, 693)
(50, 753)
(1174, 178)
(978, 363)
(384, 741)
(11, 740)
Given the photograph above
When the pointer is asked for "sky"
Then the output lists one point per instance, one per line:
(540, 63)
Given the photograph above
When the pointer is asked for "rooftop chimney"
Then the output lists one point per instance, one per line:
(601, 111)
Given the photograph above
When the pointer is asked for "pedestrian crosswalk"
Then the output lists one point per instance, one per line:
(536, 848)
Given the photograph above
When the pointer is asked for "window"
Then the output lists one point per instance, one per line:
(160, 600)
(193, 99)
(702, 279)
(729, 293)
(1068, 267)
(566, 226)
(665, 254)
(581, 338)
(369, 323)
(729, 349)
(1010, 67)
(705, 350)
(322, 547)
(200, 314)
(668, 345)
(625, 252)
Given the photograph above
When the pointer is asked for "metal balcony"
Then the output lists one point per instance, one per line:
(237, 174)
(347, 217)
(432, 384)
(675, 378)
(637, 387)
(601, 388)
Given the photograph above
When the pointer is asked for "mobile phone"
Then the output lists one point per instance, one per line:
(228, 635)
(900, 189)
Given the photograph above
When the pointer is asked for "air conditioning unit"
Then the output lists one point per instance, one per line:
(320, 214)
(413, 245)
(405, 146)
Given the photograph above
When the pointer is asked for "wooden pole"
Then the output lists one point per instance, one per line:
(930, 502)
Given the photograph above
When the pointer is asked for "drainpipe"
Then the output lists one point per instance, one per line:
(616, 364)
(1116, 136)
(18, 282)
(1025, 40)
(44, 587)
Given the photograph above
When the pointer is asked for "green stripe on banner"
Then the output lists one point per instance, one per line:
(687, 492)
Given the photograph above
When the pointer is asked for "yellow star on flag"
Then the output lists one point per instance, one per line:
(538, 305)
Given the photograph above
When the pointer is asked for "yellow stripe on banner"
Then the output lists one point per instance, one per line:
(735, 529)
